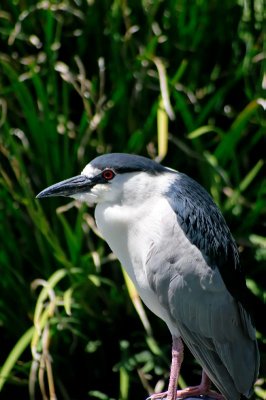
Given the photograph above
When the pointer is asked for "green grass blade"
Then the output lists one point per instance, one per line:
(14, 355)
(162, 129)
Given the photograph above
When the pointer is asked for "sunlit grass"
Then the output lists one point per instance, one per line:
(177, 81)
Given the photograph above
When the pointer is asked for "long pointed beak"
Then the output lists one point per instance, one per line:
(68, 187)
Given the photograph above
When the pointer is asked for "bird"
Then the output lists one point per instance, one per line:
(176, 247)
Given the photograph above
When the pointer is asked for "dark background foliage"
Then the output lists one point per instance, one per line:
(81, 78)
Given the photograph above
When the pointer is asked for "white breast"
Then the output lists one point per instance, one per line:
(129, 233)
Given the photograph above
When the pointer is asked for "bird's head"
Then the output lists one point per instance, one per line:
(109, 178)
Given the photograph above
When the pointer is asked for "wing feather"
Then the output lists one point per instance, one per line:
(193, 287)
(205, 227)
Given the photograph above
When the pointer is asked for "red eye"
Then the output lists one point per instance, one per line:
(108, 174)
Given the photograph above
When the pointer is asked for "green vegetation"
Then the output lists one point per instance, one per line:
(179, 80)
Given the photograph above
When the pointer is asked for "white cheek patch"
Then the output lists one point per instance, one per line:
(99, 191)
(90, 171)
(88, 198)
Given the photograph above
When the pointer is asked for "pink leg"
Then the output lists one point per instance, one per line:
(203, 389)
(177, 358)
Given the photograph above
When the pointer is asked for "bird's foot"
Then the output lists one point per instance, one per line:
(158, 396)
(192, 391)
(196, 391)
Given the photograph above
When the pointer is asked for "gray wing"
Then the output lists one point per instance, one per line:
(205, 227)
(193, 288)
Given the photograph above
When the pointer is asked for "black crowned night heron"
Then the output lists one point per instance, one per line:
(176, 247)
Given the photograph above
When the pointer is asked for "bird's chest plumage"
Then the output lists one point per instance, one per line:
(130, 234)
(126, 232)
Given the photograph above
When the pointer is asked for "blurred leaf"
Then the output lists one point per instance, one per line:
(14, 355)
(134, 296)
(162, 126)
(243, 185)
(202, 131)
(227, 146)
(124, 383)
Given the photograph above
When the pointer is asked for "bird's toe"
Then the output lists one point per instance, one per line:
(157, 396)
(198, 391)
